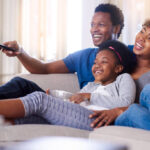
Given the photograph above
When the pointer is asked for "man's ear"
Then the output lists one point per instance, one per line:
(119, 69)
(116, 29)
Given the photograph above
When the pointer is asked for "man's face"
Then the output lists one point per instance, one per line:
(101, 28)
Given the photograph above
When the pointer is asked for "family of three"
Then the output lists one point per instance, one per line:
(103, 75)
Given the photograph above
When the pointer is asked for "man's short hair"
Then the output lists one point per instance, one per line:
(116, 14)
(146, 23)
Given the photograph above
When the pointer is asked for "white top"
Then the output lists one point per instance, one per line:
(119, 93)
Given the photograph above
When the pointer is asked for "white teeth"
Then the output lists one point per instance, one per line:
(98, 72)
(97, 36)
(139, 45)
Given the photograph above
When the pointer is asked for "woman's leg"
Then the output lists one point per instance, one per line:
(135, 116)
(56, 111)
(145, 97)
(18, 87)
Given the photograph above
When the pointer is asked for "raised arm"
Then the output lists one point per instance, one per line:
(34, 65)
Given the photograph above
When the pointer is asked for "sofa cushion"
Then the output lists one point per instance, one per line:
(136, 139)
(25, 132)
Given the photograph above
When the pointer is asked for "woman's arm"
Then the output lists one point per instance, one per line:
(106, 117)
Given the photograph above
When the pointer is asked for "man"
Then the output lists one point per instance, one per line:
(107, 24)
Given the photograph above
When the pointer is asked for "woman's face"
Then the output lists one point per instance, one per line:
(105, 68)
(142, 43)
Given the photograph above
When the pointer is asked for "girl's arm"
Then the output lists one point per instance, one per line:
(80, 97)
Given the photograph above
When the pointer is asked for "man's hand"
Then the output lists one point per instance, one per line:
(14, 45)
(105, 117)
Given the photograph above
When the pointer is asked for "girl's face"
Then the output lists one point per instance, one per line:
(142, 43)
(105, 68)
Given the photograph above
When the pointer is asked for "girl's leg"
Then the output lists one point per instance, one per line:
(56, 111)
(12, 108)
(135, 116)
(33, 119)
(145, 97)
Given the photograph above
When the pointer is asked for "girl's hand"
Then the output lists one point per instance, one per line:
(105, 117)
(77, 98)
(14, 45)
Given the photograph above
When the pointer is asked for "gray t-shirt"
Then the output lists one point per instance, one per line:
(119, 93)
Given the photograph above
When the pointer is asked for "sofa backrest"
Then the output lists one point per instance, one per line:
(67, 82)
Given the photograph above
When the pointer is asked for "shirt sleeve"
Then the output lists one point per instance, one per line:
(85, 89)
(121, 93)
(69, 62)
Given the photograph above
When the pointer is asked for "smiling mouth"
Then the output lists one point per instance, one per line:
(98, 72)
(97, 36)
(138, 46)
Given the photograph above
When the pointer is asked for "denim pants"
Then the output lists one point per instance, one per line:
(18, 87)
(137, 115)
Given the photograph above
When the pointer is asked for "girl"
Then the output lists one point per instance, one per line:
(112, 87)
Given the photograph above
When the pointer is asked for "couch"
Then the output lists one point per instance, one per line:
(134, 139)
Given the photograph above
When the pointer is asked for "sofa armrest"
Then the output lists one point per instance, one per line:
(67, 82)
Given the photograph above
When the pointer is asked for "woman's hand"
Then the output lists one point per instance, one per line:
(14, 45)
(106, 117)
(80, 97)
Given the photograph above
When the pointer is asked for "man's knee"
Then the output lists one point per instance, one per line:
(17, 79)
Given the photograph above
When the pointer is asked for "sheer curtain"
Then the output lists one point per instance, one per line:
(46, 29)
(40, 26)
(10, 27)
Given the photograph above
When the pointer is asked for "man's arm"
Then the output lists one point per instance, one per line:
(34, 65)
(106, 117)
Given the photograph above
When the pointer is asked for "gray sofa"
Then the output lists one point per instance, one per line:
(135, 139)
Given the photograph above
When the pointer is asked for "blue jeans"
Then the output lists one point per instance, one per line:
(18, 87)
(137, 115)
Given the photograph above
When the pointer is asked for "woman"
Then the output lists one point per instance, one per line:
(136, 115)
